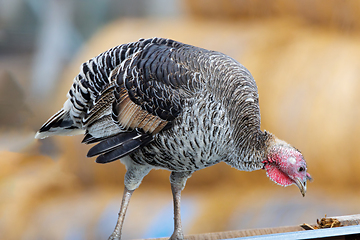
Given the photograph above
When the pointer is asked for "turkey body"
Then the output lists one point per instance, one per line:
(158, 103)
(177, 87)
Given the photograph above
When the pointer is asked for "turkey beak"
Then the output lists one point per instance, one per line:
(301, 184)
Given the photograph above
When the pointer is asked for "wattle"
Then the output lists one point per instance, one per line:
(278, 176)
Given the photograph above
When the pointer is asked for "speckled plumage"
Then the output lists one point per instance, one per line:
(208, 98)
(158, 103)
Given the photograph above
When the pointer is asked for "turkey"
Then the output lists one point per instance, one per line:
(161, 104)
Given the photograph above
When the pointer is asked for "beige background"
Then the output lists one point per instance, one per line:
(305, 58)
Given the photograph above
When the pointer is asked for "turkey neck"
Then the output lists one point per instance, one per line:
(233, 85)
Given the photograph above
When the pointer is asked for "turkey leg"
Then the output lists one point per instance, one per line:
(116, 235)
(178, 181)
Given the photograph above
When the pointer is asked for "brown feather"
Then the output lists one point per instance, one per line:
(133, 116)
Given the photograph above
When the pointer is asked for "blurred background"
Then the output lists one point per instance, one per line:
(304, 55)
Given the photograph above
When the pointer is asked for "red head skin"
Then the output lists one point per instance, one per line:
(285, 165)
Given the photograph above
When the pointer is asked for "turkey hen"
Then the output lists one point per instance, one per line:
(158, 103)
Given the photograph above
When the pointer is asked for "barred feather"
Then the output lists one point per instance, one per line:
(157, 86)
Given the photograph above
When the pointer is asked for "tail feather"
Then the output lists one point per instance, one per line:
(59, 124)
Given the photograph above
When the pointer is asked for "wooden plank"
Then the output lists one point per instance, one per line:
(349, 220)
(339, 233)
(238, 233)
(288, 232)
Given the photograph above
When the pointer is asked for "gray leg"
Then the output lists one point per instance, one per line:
(116, 235)
(133, 178)
(178, 181)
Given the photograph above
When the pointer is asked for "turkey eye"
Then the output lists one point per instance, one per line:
(301, 169)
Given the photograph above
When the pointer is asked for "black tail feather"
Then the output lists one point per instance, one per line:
(57, 120)
(111, 143)
(118, 146)
(59, 124)
(124, 149)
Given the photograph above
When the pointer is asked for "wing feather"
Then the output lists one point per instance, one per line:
(144, 94)
(118, 146)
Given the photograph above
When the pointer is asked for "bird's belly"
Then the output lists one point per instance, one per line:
(200, 137)
(186, 156)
